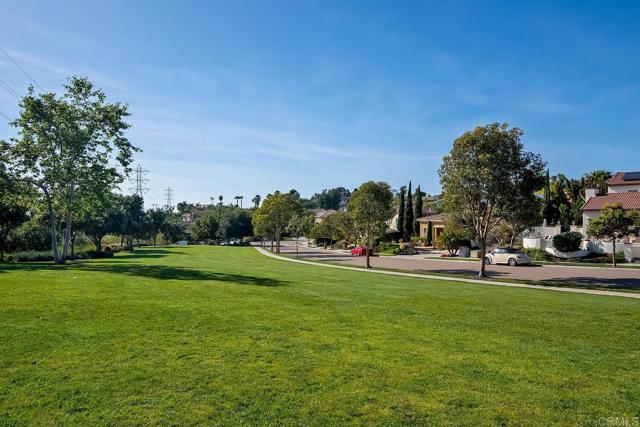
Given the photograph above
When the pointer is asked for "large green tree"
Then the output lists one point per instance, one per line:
(234, 223)
(371, 207)
(132, 225)
(103, 218)
(275, 213)
(68, 146)
(331, 198)
(155, 219)
(613, 223)
(205, 227)
(300, 225)
(482, 175)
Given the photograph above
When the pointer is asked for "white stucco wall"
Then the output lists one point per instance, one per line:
(623, 188)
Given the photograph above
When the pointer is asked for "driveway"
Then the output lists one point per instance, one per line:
(621, 278)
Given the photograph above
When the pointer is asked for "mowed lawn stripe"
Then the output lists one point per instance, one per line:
(211, 335)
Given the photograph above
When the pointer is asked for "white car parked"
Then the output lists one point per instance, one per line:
(509, 256)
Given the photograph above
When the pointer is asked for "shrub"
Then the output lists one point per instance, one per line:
(386, 248)
(421, 241)
(567, 242)
(537, 254)
(30, 236)
(30, 256)
(46, 256)
(453, 240)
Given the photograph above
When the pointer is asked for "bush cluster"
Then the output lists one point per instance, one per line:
(45, 256)
(567, 242)
(537, 254)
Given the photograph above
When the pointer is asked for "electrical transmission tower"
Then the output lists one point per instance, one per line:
(168, 194)
(139, 181)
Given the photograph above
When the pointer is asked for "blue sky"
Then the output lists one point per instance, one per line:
(249, 97)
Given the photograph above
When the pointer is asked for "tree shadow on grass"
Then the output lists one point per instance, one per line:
(162, 272)
(628, 283)
(159, 272)
(148, 253)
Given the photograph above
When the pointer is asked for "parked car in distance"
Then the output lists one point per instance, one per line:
(360, 251)
(508, 256)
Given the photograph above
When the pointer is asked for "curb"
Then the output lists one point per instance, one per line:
(455, 279)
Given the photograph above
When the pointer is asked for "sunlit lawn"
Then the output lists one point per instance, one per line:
(226, 336)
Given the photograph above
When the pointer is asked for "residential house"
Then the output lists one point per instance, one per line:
(432, 220)
(189, 217)
(623, 188)
(321, 214)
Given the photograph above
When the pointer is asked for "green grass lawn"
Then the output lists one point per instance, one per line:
(227, 336)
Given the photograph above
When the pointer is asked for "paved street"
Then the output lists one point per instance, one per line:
(620, 278)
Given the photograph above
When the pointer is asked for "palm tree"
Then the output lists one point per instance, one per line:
(256, 200)
(220, 199)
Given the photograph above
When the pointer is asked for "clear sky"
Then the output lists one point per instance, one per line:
(245, 97)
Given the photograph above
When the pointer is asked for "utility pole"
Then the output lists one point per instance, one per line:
(168, 194)
(139, 181)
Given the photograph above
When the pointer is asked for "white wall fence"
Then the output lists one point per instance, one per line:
(631, 250)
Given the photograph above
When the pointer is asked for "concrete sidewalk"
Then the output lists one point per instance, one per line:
(453, 279)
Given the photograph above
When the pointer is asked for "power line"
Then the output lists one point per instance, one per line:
(9, 89)
(4, 115)
(168, 194)
(140, 181)
(21, 69)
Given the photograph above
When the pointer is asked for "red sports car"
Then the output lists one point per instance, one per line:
(359, 251)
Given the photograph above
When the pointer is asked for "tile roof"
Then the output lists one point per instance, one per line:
(618, 179)
(431, 217)
(627, 200)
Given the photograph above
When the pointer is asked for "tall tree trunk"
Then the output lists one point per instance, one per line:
(73, 243)
(513, 237)
(367, 250)
(297, 247)
(52, 228)
(613, 241)
(67, 236)
(483, 253)
(3, 243)
(278, 242)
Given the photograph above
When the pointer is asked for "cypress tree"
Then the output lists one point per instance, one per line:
(401, 212)
(418, 212)
(409, 220)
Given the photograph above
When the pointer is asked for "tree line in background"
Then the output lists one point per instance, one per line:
(59, 179)
(368, 210)
(564, 197)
